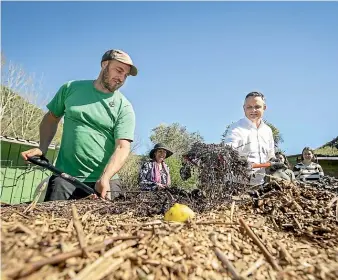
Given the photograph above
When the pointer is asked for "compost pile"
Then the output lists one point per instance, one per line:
(71, 240)
(326, 183)
(308, 212)
(221, 171)
(282, 230)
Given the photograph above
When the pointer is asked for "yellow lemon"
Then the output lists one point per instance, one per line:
(179, 213)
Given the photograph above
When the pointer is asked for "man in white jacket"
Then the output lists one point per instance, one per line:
(251, 136)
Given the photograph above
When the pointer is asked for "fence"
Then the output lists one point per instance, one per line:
(19, 180)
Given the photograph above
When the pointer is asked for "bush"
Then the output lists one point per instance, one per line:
(130, 172)
(175, 165)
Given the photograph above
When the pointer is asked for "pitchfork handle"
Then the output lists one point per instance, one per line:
(43, 162)
(261, 165)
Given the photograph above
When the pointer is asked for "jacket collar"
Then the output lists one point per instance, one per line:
(251, 124)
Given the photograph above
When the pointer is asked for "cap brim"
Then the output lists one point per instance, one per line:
(133, 70)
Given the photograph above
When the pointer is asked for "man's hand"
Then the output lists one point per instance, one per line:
(276, 165)
(30, 153)
(102, 186)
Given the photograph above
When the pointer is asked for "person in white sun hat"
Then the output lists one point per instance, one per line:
(99, 125)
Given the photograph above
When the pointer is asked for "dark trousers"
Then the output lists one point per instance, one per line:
(60, 189)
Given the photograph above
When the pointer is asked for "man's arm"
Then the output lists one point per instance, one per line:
(115, 163)
(233, 138)
(49, 123)
(48, 127)
(118, 158)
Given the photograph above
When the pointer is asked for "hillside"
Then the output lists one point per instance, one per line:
(20, 118)
(328, 149)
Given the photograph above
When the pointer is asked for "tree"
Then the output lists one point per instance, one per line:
(226, 131)
(176, 137)
(332, 144)
(20, 111)
(179, 140)
(277, 137)
(137, 143)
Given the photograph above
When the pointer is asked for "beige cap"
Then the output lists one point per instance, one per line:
(122, 57)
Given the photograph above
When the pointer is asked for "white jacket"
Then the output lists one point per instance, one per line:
(256, 144)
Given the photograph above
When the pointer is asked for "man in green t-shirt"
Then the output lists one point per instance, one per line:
(99, 124)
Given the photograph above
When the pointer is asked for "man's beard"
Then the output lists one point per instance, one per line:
(105, 82)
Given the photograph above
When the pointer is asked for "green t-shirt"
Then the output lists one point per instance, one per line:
(93, 120)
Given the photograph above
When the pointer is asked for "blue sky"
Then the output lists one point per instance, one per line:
(196, 60)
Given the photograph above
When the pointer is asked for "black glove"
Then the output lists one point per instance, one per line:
(243, 161)
(276, 165)
(185, 172)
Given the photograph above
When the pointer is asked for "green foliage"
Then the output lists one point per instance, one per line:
(179, 140)
(327, 151)
(175, 136)
(332, 144)
(19, 115)
(175, 165)
(130, 172)
(226, 131)
(277, 137)
(19, 118)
